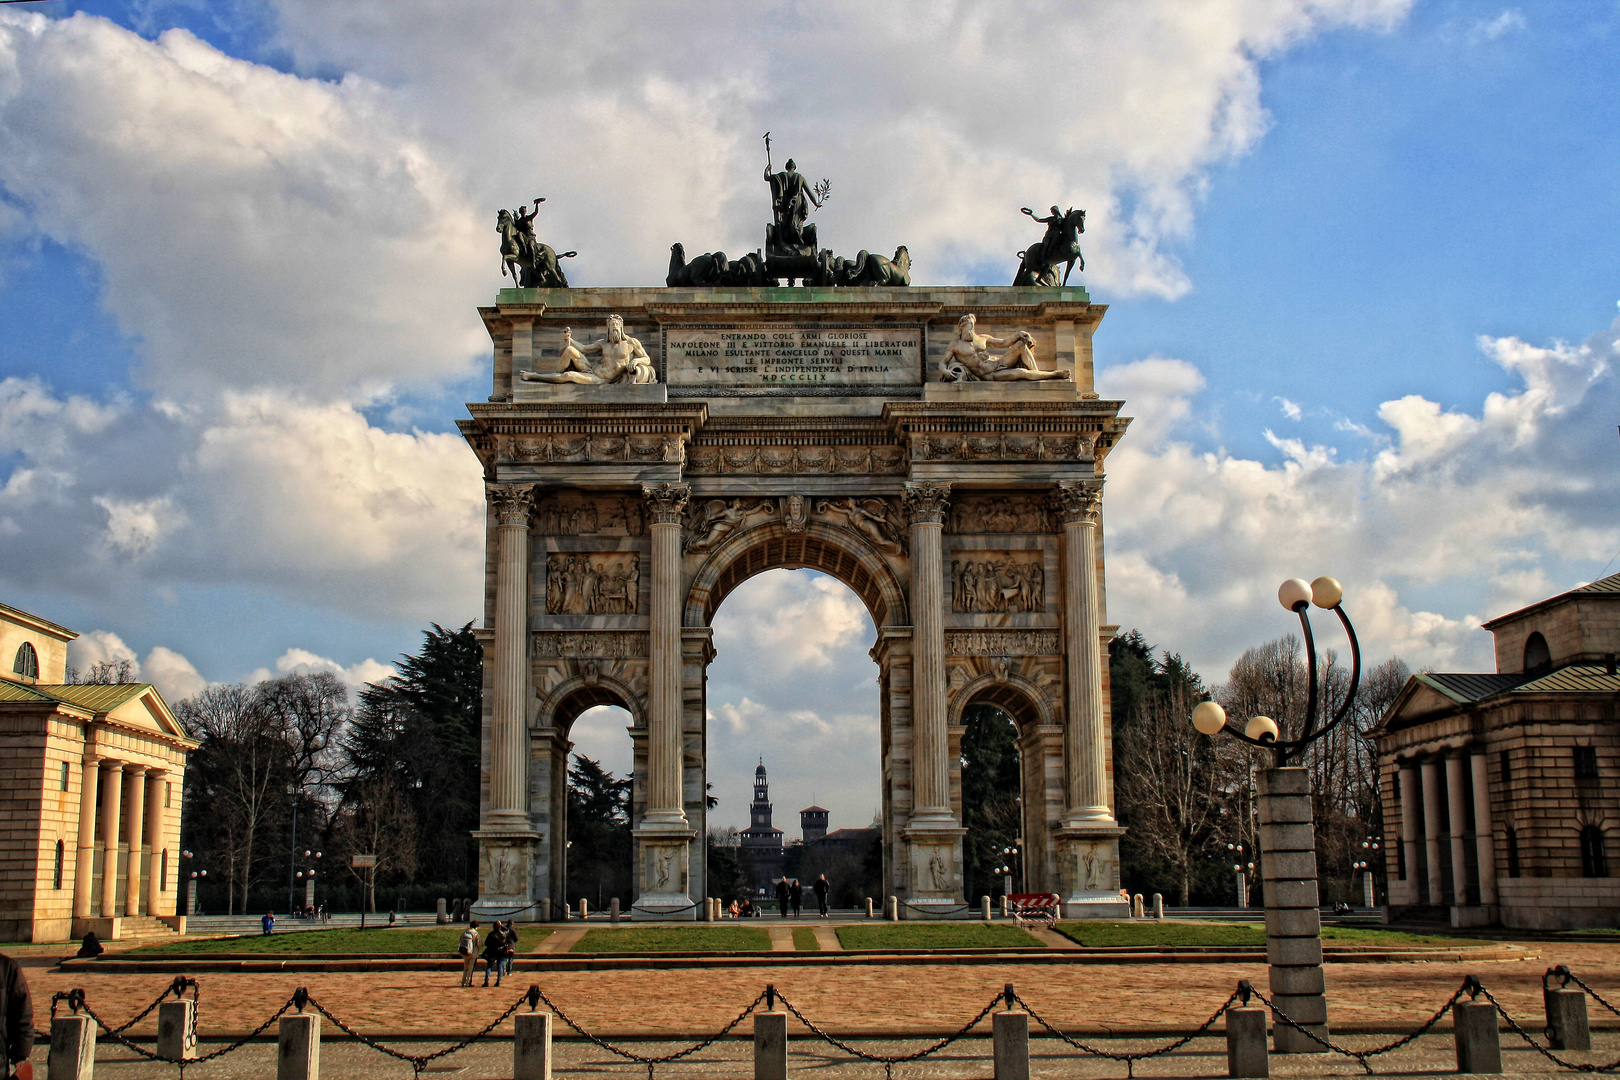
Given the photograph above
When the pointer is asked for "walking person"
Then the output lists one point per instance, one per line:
(796, 894)
(493, 946)
(782, 894)
(508, 947)
(469, 952)
(16, 1020)
(821, 888)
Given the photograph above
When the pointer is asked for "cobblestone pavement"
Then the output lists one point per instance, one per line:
(858, 999)
(969, 1058)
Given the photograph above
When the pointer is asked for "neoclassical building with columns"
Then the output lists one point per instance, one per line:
(938, 450)
(1502, 786)
(90, 799)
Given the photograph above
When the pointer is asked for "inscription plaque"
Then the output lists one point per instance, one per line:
(790, 357)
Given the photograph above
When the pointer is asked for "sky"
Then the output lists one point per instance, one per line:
(1359, 256)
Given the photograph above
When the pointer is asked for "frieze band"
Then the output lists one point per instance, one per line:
(589, 644)
(1002, 643)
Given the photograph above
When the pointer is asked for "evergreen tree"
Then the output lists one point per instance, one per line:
(990, 797)
(598, 834)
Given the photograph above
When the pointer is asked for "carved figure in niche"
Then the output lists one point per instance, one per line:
(794, 513)
(869, 517)
(532, 265)
(715, 519)
(578, 585)
(1061, 244)
(624, 360)
(997, 585)
(664, 865)
(938, 872)
(968, 357)
(503, 871)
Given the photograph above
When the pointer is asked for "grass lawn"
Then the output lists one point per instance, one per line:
(804, 940)
(940, 935)
(653, 939)
(1253, 935)
(437, 939)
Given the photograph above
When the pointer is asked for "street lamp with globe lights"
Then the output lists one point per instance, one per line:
(191, 884)
(307, 876)
(1287, 835)
(1242, 870)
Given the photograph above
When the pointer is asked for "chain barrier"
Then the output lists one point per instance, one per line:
(1131, 1058)
(1568, 976)
(1537, 1047)
(888, 1061)
(417, 1062)
(1361, 1056)
(629, 1055)
(934, 910)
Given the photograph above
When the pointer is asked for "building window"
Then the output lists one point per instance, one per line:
(163, 872)
(1593, 862)
(1507, 771)
(64, 776)
(27, 662)
(168, 794)
(1513, 851)
(1586, 763)
(56, 874)
(1537, 657)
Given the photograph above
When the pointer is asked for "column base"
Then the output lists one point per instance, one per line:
(506, 874)
(104, 927)
(1088, 871)
(662, 877)
(934, 881)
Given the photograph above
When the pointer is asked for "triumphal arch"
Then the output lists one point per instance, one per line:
(939, 450)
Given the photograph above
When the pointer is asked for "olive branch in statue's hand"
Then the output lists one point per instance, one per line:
(823, 190)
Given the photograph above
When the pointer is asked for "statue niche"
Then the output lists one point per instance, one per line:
(578, 583)
(623, 360)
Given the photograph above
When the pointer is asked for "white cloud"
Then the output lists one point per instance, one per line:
(1482, 508)
(101, 647)
(1289, 409)
(1509, 20)
(800, 621)
(296, 661)
(175, 677)
(136, 527)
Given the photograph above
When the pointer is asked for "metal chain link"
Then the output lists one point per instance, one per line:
(630, 1055)
(1362, 1055)
(417, 1061)
(183, 1063)
(1570, 977)
(888, 1061)
(1542, 1050)
(1130, 1059)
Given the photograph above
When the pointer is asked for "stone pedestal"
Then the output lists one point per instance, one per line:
(73, 1048)
(934, 872)
(505, 867)
(531, 1046)
(177, 1030)
(298, 1047)
(1088, 873)
(1293, 923)
(662, 886)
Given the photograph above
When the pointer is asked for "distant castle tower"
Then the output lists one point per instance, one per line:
(813, 823)
(760, 843)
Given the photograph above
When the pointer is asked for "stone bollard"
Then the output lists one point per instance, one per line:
(1246, 1042)
(1137, 909)
(613, 911)
(1010, 1039)
(1479, 1046)
(442, 915)
(568, 911)
(1158, 906)
(894, 909)
(298, 1047)
(1057, 905)
(770, 1046)
(1567, 1028)
(984, 908)
(177, 1033)
(531, 1046)
(73, 1048)
(869, 907)
(1006, 906)
(584, 909)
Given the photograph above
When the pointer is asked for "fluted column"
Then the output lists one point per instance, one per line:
(508, 742)
(1411, 807)
(135, 780)
(84, 866)
(1484, 831)
(930, 768)
(1458, 806)
(1431, 830)
(154, 838)
(112, 791)
(1079, 504)
(666, 503)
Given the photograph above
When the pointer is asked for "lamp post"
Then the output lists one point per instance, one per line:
(1009, 856)
(307, 876)
(1369, 859)
(1242, 870)
(191, 884)
(1287, 835)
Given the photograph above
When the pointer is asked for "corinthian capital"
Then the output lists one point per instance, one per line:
(1078, 501)
(926, 501)
(666, 502)
(512, 502)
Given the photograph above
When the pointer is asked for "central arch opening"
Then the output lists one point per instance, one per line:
(793, 690)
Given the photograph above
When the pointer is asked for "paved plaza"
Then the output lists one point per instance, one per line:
(875, 1002)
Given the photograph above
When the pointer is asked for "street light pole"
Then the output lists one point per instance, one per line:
(1287, 835)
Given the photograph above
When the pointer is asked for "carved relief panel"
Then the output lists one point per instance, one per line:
(1000, 514)
(575, 515)
(999, 581)
(587, 583)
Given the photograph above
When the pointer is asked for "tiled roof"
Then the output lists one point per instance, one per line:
(811, 807)
(1610, 584)
(97, 697)
(1576, 678)
(14, 691)
(1465, 687)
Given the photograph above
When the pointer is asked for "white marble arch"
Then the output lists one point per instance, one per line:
(1040, 760)
(877, 579)
(549, 748)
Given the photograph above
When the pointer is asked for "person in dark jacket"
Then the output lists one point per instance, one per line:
(16, 1019)
(782, 894)
(89, 948)
(494, 952)
(821, 887)
(796, 896)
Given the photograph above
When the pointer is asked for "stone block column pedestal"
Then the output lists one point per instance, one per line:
(1293, 922)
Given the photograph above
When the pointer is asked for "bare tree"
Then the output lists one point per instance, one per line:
(376, 820)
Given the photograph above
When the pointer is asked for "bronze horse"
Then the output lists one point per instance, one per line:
(1061, 244)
